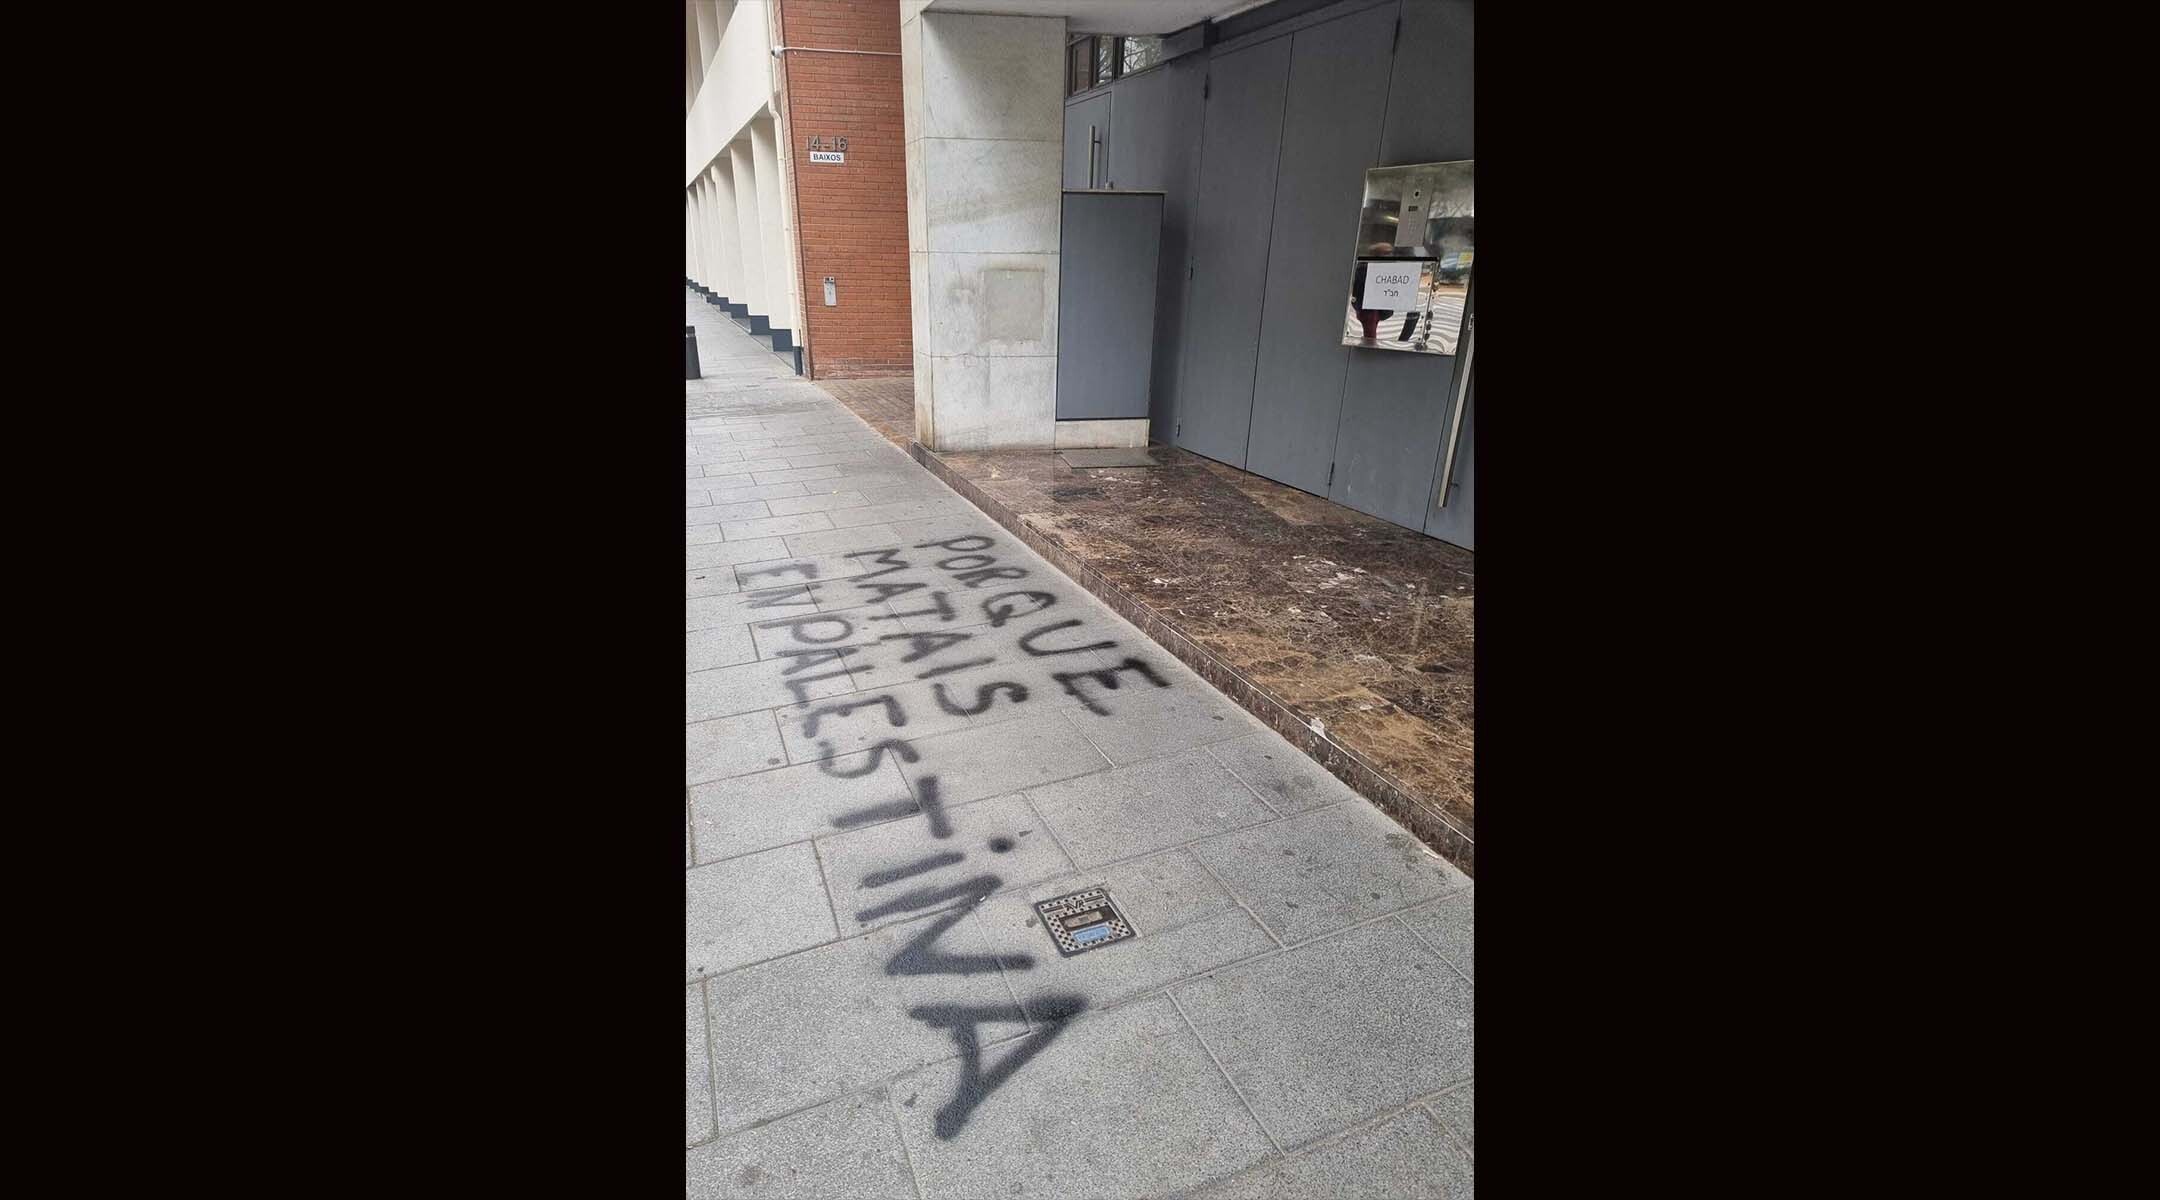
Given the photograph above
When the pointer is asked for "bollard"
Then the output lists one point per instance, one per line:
(690, 364)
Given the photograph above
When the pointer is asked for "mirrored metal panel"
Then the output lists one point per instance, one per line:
(1412, 270)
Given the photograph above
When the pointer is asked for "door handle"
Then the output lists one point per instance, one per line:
(1094, 144)
(1462, 392)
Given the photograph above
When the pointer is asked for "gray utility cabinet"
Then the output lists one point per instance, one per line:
(1108, 246)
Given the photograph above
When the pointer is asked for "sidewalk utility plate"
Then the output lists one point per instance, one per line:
(1083, 920)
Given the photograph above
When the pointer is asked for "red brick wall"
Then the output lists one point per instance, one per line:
(851, 218)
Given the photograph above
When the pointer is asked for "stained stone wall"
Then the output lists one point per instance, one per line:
(984, 105)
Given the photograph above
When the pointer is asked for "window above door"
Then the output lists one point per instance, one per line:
(1092, 60)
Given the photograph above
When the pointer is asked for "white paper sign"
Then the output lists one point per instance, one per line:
(828, 156)
(1391, 286)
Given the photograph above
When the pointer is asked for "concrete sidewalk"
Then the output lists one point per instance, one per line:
(903, 730)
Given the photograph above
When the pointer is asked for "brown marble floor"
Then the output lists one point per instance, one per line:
(1353, 637)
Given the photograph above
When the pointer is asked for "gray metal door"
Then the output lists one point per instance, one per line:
(1331, 134)
(1395, 405)
(1240, 135)
(1106, 303)
(1393, 417)
(1087, 137)
(1158, 146)
(1455, 522)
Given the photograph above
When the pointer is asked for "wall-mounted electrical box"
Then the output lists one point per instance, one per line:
(1108, 244)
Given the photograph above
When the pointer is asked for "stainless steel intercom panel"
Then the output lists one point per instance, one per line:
(1410, 273)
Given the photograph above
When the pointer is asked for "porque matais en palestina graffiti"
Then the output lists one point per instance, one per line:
(837, 634)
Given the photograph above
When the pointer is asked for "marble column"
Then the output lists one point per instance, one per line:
(748, 235)
(690, 267)
(984, 119)
(726, 230)
(781, 284)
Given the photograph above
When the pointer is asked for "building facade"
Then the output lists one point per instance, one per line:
(951, 253)
(794, 178)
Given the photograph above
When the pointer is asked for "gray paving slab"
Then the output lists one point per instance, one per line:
(749, 909)
(963, 531)
(898, 510)
(1445, 924)
(1000, 758)
(925, 488)
(1148, 723)
(848, 591)
(1289, 780)
(819, 443)
(1146, 806)
(715, 554)
(814, 1026)
(737, 510)
(1324, 1035)
(1026, 604)
(846, 1150)
(749, 491)
(710, 581)
(793, 474)
(697, 1073)
(918, 641)
(1319, 871)
(1405, 1157)
(790, 505)
(1456, 1111)
(793, 569)
(834, 458)
(912, 532)
(992, 691)
(745, 605)
(794, 804)
(1064, 636)
(863, 719)
(728, 746)
(1187, 924)
(888, 563)
(1124, 1103)
(759, 462)
(764, 527)
(897, 869)
(897, 591)
(759, 685)
(847, 481)
(795, 632)
(834, 450)
(838, 541)
(721, 646)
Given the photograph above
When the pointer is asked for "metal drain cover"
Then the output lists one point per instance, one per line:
(1083, 921)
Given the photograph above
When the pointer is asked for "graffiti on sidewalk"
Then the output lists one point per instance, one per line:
(958, 610)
